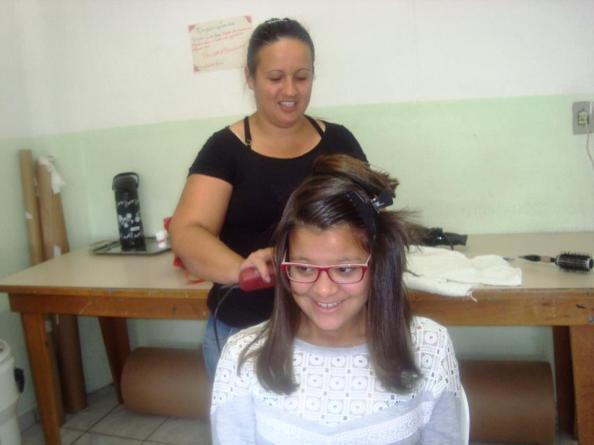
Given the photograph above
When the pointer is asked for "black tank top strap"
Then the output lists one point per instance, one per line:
(247, 134)
(316, 125)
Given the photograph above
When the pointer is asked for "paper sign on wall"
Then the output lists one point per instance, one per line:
(220, 44)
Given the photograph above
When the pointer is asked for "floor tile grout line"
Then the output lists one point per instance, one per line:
(111, 435)
(113, 408)
(157, 428)
(159, 442)
(88, 429)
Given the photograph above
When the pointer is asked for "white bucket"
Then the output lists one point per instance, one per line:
(9, 394)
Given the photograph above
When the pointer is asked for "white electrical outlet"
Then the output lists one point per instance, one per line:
(581, 117)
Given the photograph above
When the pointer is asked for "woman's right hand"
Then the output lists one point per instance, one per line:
(259, 260)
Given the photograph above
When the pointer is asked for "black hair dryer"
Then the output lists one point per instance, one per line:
(125, 186)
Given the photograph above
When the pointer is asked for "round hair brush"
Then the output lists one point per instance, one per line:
(567, 261)
(574, 261)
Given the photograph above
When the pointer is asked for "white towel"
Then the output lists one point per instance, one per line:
(451, 273)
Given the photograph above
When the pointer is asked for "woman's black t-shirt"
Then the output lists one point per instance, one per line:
(261, 188)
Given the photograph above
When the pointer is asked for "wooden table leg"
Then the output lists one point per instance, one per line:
(46, 389)
(582, 353)
(564, 379)
(69, 359)
(117, 346)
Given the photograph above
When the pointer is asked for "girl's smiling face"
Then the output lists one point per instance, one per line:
(332, 314)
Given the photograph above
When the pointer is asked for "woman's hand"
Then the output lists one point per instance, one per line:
(258, 259)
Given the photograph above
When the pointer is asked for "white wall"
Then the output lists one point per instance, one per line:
(13, 105)
(78, 65)
(99, 64)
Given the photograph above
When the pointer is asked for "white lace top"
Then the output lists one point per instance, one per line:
(339, 400)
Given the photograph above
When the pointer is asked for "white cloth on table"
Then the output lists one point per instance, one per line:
(451, 273)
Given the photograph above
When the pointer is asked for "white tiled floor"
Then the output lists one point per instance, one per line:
(105, 422)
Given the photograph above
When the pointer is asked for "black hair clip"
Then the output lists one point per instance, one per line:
(369, 208)
(383, 200)
(365, 210)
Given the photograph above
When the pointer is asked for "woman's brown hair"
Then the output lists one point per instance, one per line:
(344, 190)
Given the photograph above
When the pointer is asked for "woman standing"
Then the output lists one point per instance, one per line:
(242, 177)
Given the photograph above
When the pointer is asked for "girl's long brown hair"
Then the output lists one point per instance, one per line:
(325, 200)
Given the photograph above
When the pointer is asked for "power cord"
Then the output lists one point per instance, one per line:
(228, 290)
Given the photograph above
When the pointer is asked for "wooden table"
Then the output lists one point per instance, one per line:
(116, 288)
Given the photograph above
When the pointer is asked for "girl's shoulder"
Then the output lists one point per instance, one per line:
(239, 341)
(424, 322)
(435, 356)
(427, 332)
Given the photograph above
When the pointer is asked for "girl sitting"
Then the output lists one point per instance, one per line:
(342, 360)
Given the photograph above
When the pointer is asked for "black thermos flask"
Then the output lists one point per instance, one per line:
(125, 186)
